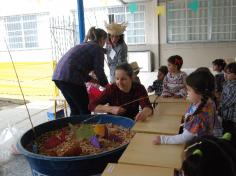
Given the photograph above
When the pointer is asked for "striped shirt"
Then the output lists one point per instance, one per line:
(174, 84)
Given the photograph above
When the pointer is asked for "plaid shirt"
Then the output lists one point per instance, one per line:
(157, 86)
(115, 97)
(75, 65)
(219, 80)
(228, 101)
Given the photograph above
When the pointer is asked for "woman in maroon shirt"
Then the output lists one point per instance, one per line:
(118, 97)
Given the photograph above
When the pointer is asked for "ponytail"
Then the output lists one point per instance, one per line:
(95, 34)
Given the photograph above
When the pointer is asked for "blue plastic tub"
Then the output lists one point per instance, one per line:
(71, 166)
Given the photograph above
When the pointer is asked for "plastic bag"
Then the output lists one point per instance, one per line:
(8, 140)
(93, 91)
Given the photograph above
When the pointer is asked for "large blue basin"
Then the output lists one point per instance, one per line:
(71, 166)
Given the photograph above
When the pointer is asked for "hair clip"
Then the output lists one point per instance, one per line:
(227, 136)
(197, 152)
(193, 145)
(178, 62)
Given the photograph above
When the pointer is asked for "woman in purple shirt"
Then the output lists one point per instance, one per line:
(73, 69)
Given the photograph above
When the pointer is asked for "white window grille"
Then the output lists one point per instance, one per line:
(21, 31)
(135, 32)
(215, 20)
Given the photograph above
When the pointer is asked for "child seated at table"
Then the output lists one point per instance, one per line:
(228, 99)
(157, 85)
(200, 118)
(174, 81)
(136, 70)
(218, 67)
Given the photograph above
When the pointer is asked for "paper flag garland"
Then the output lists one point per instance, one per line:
(104, 2)
(193, 5)
(160, 10)
(85, 131)
(133, 7)
(95, 142)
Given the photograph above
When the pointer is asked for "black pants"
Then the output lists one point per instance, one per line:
(229, 126)
(76, 96)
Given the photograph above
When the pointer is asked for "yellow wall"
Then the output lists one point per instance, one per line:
(35, 78)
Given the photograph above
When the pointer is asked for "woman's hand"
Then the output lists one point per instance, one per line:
(157, 140)
(116, 110)
(140, 116)
(144, 114)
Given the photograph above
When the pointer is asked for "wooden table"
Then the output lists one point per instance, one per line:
(141, 151)
(171, 106)
(162, 124)
(171, 100)
(136, 170)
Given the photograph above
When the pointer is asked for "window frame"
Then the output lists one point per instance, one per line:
(126, 13)
(209, 17)
(23, 30)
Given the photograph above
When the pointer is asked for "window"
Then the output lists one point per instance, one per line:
(135, 32)
(21, 31)
(215, 20)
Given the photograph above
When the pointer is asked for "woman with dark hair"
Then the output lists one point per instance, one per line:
(72, 70)
(207, 156)
(124, 96)
(116, 47)
(200, 118)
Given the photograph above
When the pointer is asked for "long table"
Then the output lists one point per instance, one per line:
(171, 106)
(141, 151)
(135, 170)
(171, 100)
(161, 124)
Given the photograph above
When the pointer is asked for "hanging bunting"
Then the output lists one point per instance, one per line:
(104, 2)
(133, 7)
(193, 5)
(160, 10)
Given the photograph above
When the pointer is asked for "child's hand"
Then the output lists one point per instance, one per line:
(157, 140)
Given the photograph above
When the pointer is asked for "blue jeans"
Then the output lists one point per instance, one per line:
(76, 96)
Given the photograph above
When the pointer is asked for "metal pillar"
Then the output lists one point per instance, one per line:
(81, 20)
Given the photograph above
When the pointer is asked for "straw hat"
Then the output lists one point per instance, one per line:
(115, 28)
(135, 66)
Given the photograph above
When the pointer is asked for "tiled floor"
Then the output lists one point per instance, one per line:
(16, 116)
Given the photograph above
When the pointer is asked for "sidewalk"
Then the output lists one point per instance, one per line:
(16, 114)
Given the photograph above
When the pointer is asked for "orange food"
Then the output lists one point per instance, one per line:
(100, 130)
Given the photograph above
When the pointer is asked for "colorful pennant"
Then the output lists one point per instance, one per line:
(193, 5)
(104, 2)
(133, 7)
(160, 10)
